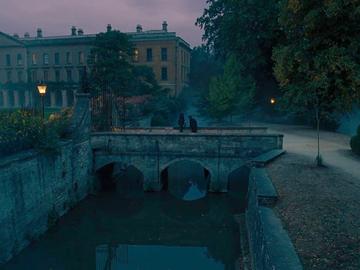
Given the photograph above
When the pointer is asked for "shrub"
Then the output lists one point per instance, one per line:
(22, 130)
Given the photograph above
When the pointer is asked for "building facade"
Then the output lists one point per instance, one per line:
(60, 60)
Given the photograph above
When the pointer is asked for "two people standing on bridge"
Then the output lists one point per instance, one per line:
(192, 122)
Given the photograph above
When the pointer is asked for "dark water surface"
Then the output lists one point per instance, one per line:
(140, 232)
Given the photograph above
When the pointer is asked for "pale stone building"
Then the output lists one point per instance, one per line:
(59, 61)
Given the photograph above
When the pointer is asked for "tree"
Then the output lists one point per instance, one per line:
(204, 66)
(247, 29)
(231, 93)
(111, 73)
(317, 63)
(114, 79)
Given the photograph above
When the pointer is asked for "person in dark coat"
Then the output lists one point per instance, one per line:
(193, 124)
(181, 122)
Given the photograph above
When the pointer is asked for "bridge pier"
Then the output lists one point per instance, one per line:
(152, 179)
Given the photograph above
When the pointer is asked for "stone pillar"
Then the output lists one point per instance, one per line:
(16, 99)
(151, 179)
(27, 98)
(6, 98)
(52, 99)
(64, 98)
(81, 121)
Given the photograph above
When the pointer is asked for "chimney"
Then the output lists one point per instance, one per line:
(80, 32)
(27, 35)
(39, 33)
(139, 28)
(165, 26)
(73, 31)
(108, 28)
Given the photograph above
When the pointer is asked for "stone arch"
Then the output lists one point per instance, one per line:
(163, 171)
(173, 161)
(106, 174)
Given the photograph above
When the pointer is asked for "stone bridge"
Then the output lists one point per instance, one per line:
(151, 151)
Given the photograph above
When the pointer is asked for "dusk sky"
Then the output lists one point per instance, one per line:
(56, 17)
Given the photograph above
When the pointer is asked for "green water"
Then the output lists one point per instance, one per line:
(153, 231)
(127, 229)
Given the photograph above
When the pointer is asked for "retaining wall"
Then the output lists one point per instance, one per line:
(270, 245)
(36, 189)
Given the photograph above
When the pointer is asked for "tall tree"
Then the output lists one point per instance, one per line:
(317, 63)
(204, 66)
(231, 93)
(114, 79)
(247, 29)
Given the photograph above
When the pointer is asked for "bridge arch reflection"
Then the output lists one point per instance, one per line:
(186, 179)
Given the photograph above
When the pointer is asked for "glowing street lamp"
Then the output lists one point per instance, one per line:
(273, 101)
(42, 91)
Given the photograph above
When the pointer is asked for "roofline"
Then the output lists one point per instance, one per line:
(69, 40)
(13, 39)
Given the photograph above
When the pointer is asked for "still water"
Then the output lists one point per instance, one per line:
(141, 231)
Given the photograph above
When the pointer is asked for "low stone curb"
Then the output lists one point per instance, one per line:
(270, 245)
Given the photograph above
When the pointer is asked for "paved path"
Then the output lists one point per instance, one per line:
(335, 147)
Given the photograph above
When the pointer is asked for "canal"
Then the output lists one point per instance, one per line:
(123, 228)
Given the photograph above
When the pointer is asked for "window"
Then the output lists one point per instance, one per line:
(33, 59)
(57, 59)
(164, 74)
(9, 76)
(81, 58)
(69, 75)
(68, 58)
(8, 60)
(46, 75)
(136, 55)
(46, 59)
(149, 55)
(20, 76)
(34, 76)
(57, 75)
(19, 61)
(164, 54)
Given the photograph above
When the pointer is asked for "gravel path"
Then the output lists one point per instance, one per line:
(319, 207)
(335, 147)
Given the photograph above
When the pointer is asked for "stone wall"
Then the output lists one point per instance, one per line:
(270, 245)
(36, 189)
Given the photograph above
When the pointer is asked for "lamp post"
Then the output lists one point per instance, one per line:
(42, 91)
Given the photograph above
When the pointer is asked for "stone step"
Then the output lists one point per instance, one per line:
(262, 160)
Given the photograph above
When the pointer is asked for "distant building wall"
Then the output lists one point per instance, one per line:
(59, 62)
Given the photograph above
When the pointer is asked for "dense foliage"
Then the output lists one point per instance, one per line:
(310, 47)
(204, 67)
(21, 130)
(231, 92)
(317, 63)
(248, 30)
(115, 81)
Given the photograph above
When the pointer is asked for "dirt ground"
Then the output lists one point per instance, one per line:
(320, 208)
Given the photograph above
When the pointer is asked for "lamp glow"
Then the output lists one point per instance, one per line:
(273, 101)
(42, 89)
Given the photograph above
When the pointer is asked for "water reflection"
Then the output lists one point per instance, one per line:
(204, 236)
(125, 228)
(126, 257)
(186, 180)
